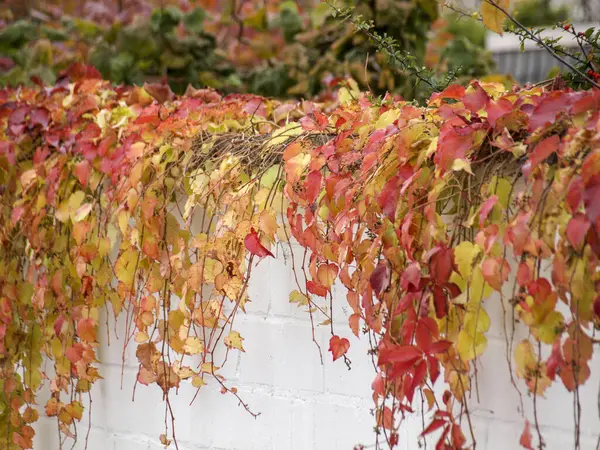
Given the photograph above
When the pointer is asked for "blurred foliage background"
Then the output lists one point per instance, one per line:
(269, 47)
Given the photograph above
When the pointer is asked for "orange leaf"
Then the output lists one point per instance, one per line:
(338, 346)
(525, 440)
(354, 321)
(86, 329)
(327, 274)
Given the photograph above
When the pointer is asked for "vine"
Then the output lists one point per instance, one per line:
(158, 207)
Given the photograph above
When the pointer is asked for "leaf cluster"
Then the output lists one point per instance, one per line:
(158, 207)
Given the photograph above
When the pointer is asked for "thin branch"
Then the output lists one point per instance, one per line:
(540, 42)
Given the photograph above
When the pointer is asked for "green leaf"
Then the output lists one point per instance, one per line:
(194, 20)
(319, 14)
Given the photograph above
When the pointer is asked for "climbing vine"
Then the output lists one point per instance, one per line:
(158, 207)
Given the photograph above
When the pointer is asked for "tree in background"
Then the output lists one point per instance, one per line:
(276, 48)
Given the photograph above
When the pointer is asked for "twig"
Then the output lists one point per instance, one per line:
(540, 42)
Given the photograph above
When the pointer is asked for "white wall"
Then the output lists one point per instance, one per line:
(303, 404)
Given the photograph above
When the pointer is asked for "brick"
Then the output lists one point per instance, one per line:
(281, 355)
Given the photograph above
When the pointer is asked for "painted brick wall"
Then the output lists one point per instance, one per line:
(305, 404)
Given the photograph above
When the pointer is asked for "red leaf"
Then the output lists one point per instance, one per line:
(319, 123)
(82, 172)
(477, 99)
(439, 302)
(338, 346)
(380, 278)
(434, 425)
(555, 360)
(441, 443)
(58, 325)
(425, 333)
(577, 229)
(400, 354)
(388, 199)
(78, 71)
(434, 368)
(541, 152)
(161, 92)
(486, 208)
(420, 373)
(313, 185)
(591, 198)
(458, 437)
(523, 274)
(411, 276)
(16, 214)
(441, 264)
(18, 115)
(40, 116)
(322, 119)
(454, 91)
(597, 307)
(316, 289)
(525, 440)
(440, 347)
(253, 245)
(452, 145)
(575, 193)
(546, 111)
(255, 107)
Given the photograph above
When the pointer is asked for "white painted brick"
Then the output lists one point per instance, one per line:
(342, 427)
(303, 404)
(277, 355)
(355, 382)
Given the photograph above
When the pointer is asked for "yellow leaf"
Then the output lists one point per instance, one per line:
(125, 267)
(493, 17)
(267, 222)
(271, 175)
(234, 340)
(430, 396)
(387, 118)
(208, 367)
(464, 255)
(476, 321)
(283, 134)
(552, 326)
(75, 201)
(478, 288)
(141, 336)
(198, 382)
(461, 164)
(502, 188)
(470, 347)
(199, 182)
(75, 410)
(299, 298)
(193, 345)
(525, 358)
(347, 94)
